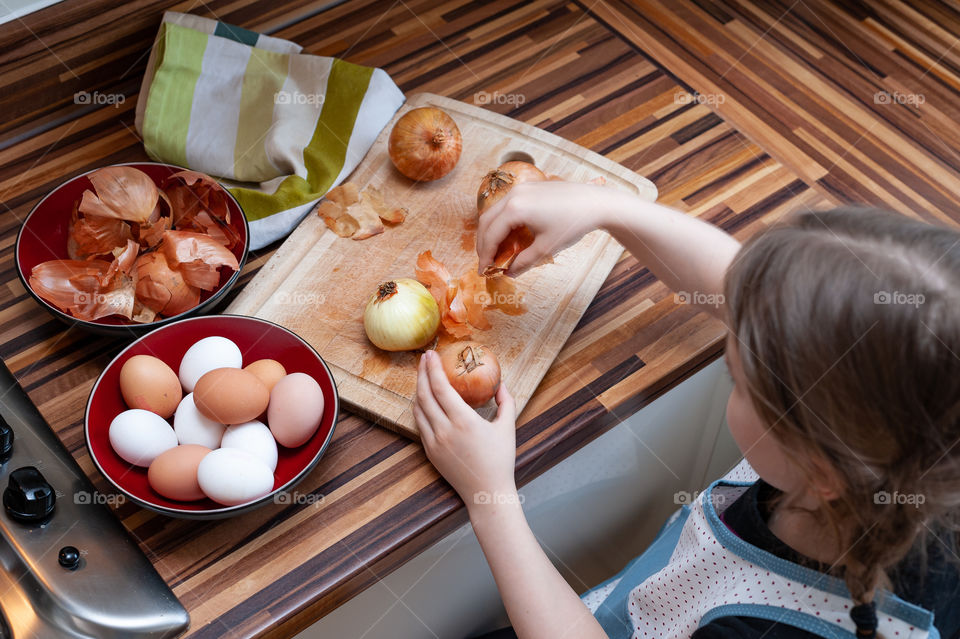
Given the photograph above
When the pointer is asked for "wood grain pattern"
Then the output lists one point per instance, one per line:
(272, 572)
(858, 99)
(318, 284)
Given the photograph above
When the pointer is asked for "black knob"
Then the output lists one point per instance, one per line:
(28, 497)
(6, 440)
(69, 557)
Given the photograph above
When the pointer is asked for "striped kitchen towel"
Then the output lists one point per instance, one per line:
(279, 128)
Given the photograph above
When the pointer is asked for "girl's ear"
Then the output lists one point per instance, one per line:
(827, 483)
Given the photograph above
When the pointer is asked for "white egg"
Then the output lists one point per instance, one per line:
(206, 355)
(193, 427)
(138, 436)
(255, 438)
(231, 476)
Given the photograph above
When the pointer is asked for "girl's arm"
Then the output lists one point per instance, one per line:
(686, 254)
(477, 457)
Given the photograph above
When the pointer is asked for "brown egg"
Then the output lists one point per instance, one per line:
(230, 395)
(268, 371)
(148, 383)
(296, 409)
(173, 473)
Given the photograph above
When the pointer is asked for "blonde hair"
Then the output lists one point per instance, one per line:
(848, 324)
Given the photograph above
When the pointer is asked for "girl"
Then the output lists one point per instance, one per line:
(844, 349)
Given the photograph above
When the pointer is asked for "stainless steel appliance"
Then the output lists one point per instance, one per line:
(68, 568)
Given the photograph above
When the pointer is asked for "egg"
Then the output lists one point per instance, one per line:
(139, 436)
(173, 473)
(295, 409)
(193, 427)
(268, 371)
(255, 438)
(146, 382)
(206, 355)
(231, 476)
(230, 395)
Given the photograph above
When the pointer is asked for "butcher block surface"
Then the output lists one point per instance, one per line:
(317, 283)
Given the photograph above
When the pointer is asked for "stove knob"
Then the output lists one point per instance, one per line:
(69, 557)
(28, 497)
(6, 440)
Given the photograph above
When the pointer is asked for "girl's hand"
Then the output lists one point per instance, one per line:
(474, 455)
(557, 213)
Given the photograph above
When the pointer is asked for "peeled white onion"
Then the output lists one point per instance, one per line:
(401, 316)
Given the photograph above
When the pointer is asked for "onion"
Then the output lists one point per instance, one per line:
(401, 316)
(493, 187)
(473, 371)
(496, 183)
(425, 144)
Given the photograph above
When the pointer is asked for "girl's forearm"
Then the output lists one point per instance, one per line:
(688, 255)
(538, 600)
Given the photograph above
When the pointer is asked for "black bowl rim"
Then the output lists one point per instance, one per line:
(226, 511)
(136, 330)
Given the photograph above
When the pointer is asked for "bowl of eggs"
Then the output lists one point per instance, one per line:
(213, 416)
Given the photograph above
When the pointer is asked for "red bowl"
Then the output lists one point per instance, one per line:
(257, 339)
(44, 233)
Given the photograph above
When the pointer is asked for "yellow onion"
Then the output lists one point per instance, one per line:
(425, 144)
(473, 371)
(401, 316)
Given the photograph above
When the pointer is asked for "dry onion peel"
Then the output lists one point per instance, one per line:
(93, 235)
(462, 301)
(349, 213)
(161, 288)
(116, 232)
(121, 192)
(387, 213)
(150, 233)
(200, 204)
(474, 288)
(336, 219)
(368, 220)
(88, 289)
(345, 195)
(198, 256)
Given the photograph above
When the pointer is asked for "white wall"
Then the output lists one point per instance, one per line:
(592, 513)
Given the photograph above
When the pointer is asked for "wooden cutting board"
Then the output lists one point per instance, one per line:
(317, 284)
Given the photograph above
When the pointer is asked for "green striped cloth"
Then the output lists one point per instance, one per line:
(279, 128)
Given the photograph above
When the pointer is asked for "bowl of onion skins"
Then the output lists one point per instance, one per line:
(45, 233)
(257, 339)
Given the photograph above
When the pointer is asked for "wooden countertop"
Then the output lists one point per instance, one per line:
(276, 570)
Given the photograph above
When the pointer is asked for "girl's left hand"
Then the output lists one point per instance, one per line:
(475, 455)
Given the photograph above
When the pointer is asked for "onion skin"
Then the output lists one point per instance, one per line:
(473, 371)
(493, 187)
(401, 315)
(425, 144)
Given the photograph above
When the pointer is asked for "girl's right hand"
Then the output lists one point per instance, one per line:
(557, 213)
